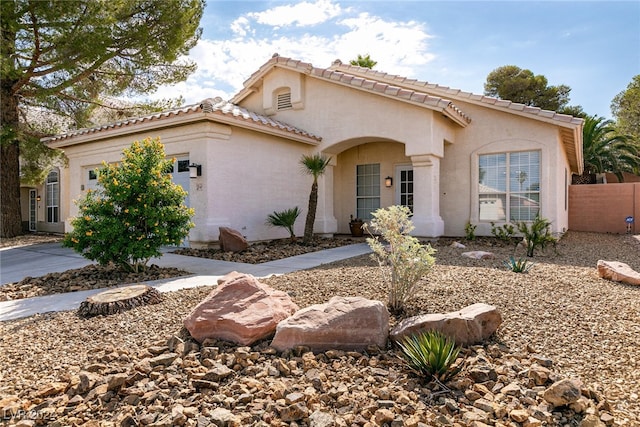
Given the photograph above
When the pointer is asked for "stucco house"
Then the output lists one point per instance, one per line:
(452, 156)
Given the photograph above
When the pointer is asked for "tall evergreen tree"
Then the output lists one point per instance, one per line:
(56, 52)
(625, 107)
(523, 86)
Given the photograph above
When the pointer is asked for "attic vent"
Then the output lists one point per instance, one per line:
(284, 101)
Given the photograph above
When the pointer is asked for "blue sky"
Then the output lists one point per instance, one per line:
(591, 46)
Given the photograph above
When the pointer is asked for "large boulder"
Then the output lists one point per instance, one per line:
(232, 240)
(618, 272)
(343, 323)
(241, 310)
(472, 324)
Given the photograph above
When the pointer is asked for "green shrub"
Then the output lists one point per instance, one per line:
(537, 234)
(402, 258)
(505, 233)
(470, 231)
(137, 210)
(519, 265)
(431, 353)
(285, 219)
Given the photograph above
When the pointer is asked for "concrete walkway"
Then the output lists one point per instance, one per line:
(38, 260)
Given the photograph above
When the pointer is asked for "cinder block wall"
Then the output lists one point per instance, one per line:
(603, 208)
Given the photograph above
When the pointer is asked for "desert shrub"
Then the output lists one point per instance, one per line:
(402, 258)
(136, 210)
(537, 234)
(285, 219)
(470, 231)
(431, 353)
(505, 233)
(519, 265)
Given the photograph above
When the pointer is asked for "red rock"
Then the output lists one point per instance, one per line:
(343, 323)
(618, 272)
(472, 324)
(241, 310)
(232, 240)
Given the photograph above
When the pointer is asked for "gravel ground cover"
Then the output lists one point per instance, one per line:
(561, 310)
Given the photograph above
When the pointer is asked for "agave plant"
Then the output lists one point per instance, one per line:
(431, 353)
(519, 265)
(285, 219)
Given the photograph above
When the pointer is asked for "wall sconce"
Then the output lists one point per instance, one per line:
(388, 182)
(38, 197)
(195, 170)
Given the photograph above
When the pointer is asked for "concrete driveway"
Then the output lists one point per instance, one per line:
(37, 260)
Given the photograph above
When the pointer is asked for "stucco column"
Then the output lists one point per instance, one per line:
(426, 196)
(326, 223)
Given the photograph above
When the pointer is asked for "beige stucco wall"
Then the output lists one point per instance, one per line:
(245, 176)
(494, 131)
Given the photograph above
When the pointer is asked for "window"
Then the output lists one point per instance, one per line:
(405, 187)
(367, 190)
(53, 197)
(509, 186)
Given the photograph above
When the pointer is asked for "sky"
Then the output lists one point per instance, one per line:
(591, 46)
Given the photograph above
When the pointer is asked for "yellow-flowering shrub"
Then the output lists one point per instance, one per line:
(136, 211)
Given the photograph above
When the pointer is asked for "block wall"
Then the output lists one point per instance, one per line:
(603, 208)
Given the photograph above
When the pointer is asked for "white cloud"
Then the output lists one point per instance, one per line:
(399, 47)
(241, 26)
(300, 14)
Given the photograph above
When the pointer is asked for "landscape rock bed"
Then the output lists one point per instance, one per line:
(82, 279)
(560, 316)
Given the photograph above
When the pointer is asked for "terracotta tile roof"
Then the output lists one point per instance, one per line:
(348, 79)
(226, 111)
(455, 94)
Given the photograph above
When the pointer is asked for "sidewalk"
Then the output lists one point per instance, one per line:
(37, 260)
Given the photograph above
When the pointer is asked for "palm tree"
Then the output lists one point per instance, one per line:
(364, 61)
(604, 150)
(285, 219)
(315, 166)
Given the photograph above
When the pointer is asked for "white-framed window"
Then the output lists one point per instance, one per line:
(509, 186)
(367, 190)
(53, 196)
(404, 186)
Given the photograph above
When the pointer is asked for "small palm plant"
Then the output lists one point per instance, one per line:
(285, 219)
(519, 265)
(432, 354)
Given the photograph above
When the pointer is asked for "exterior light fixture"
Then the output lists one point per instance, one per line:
(195, 170)
(38, 197)
(388, 182)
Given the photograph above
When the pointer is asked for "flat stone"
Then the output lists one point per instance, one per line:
(618, 272)
(343, 323)
(470, 325)
(478, 255)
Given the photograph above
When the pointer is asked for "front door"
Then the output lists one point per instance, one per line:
(404, 189)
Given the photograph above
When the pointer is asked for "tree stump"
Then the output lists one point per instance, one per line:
(119, 300)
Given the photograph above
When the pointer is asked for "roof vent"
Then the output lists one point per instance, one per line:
(284, 101)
